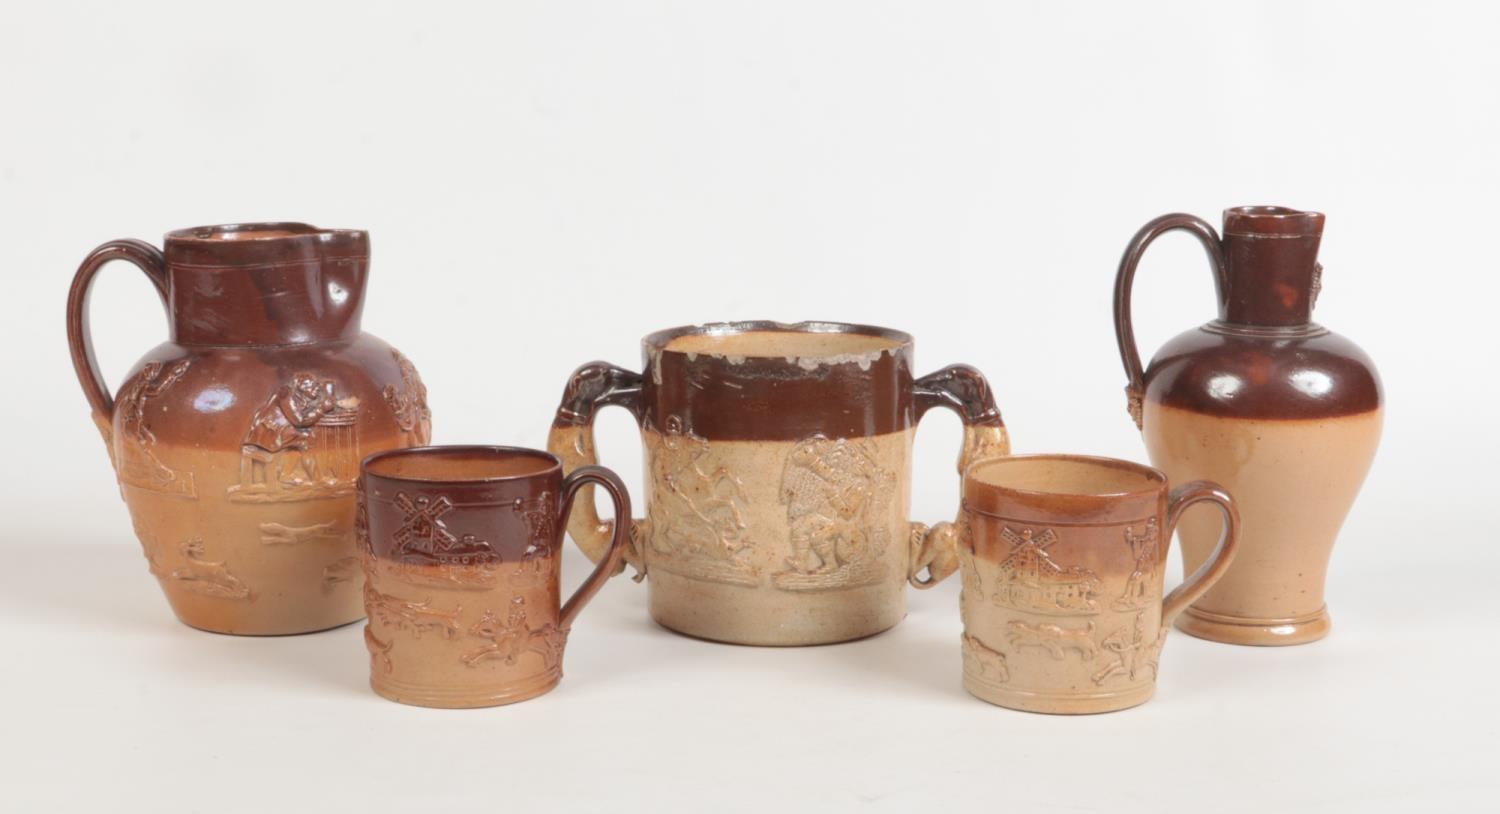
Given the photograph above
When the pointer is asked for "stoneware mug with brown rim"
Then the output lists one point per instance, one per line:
(778, 475)
(1063, 568)
(462, 557)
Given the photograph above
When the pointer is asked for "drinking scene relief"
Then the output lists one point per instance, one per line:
(301, 445)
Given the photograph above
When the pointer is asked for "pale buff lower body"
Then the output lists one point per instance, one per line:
(740, 549)
(1099, 658)
(437, 640)
(1294, 482)
(275, 559)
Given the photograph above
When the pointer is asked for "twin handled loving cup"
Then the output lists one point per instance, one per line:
(778, 476)
(1063, 561)
(461, 549)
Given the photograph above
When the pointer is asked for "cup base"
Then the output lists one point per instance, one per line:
(1058, 703)
(772, 637)
(464, 697)
(1218, 627)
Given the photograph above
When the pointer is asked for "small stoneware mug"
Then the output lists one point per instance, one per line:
(462, 558)
(1063, 560)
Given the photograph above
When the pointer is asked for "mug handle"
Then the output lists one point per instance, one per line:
(595, 385)
(150, 261)
(965, 391)
(1125, 279)
(1195, 586)
(612, 562)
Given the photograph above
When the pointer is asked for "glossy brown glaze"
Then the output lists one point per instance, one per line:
(1263, 358)
(462, 558)
(1282, 411)
(858, 384)
(778, 475)
(237, 443)
(1063, 572)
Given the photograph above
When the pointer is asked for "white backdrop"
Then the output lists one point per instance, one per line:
(547, 182)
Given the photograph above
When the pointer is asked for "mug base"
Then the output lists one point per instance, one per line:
(1059, 703)
(464, 697)
(1218, 627)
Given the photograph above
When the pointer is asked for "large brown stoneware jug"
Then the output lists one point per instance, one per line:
(1281, 411)
(237, 442)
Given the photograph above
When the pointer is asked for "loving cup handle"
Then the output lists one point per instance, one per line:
(1213, 568)
(965, 391)
(595, 385)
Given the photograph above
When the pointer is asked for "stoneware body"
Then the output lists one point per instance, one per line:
(1283, 412)
(1062, 579)
(237, 442)
(461, 553)
(778, 469)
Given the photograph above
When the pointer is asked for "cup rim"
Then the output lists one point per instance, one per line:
(1157, 477)
(657, 341)
(554, 463)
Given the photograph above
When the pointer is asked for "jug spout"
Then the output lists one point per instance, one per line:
(1271, 265)
(265, 283)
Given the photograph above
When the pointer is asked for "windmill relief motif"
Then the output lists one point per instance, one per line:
(301, 445)
(138, 464)
(696, 510)
(1029, 579)
(427, 553)
(836, 496)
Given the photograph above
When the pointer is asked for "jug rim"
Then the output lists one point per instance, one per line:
(1272, 221)
(264, 243)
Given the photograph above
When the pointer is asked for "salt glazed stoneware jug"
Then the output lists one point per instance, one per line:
(237, 442)
(1282, 412)
(778, 475)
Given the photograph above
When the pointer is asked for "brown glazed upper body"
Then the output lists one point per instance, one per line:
(1265, 357)
(237, 442)
(852, 381)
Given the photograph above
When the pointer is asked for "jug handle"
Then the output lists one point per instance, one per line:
(1195, 586)
(595, 385)
(1125, 279)
(965, 391)
(150, 261)
(613, 560)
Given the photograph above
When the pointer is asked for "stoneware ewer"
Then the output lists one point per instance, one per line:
(1283, 412)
